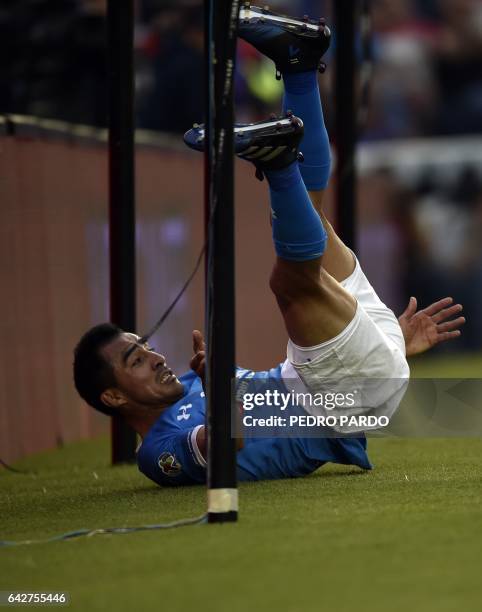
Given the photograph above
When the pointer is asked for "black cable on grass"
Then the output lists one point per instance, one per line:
(15, 470)
(71, 535)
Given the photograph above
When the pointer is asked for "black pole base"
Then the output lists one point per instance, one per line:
(223, 517)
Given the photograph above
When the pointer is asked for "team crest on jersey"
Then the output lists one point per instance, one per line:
(169, 465)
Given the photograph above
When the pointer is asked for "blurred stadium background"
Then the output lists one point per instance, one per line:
(404, 537)
(419, 207)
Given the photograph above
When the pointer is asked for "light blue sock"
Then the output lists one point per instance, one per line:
(302, 96)
(298, 233)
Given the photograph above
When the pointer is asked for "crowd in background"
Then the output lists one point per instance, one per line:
(427, 71)
(427, 82)
(53, 59)
(427, 228)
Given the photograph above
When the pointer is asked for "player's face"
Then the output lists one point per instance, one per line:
(142, 375)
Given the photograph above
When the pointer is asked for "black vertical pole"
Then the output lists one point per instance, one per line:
(208, 121)
(120, 18)
(345, 120)
(220, 58)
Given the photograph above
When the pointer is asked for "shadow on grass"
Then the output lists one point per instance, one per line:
(323, 475)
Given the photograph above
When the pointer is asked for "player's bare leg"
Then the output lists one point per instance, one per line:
(338, 260)
(314, 306)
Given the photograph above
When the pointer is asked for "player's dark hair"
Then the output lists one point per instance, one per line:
(92, 373)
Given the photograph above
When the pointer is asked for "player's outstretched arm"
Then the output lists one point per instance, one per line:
(198, 362)
(425, 328)
(198, 365)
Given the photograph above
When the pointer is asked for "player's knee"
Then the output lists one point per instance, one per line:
(292, 282)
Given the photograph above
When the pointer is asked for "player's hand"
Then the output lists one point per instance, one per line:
(424, 329)
(198, 362)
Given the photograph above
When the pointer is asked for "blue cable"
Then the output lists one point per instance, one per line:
(70, 535)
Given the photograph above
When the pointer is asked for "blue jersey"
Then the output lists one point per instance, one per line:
(169, 454)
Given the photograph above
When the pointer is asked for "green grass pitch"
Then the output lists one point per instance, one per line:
(405, 537)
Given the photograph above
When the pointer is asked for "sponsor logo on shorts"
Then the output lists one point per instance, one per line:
(169, 465)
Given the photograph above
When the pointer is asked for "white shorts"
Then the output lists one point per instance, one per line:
(368, 355)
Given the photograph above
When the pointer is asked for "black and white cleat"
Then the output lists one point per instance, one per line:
(294, 45)
(269, 145)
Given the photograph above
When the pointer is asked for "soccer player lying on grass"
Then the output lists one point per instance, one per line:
(337, 325)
